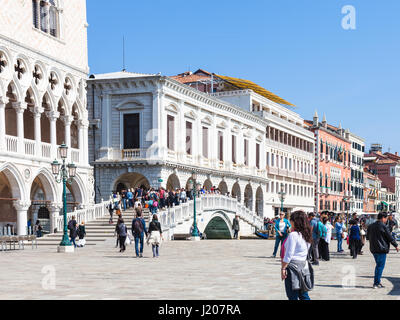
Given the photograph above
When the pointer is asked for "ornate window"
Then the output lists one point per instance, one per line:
(45, 14)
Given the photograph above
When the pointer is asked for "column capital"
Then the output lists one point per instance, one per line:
(55, 207)
(52, 115)
(20, 205)
(37, 111)
(83, 124)
(20, 107)
(67, 120)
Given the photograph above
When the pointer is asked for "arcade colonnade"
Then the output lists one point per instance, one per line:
(42, 105)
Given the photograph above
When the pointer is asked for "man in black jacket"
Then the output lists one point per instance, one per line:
(379, 242)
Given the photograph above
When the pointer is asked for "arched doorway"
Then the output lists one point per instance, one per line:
(236, 192)
(259, 202)
(41, 196)
(131, 180)
(173, 182)
(223, 188)
(8, 214)
(248, 197)
(218, 228)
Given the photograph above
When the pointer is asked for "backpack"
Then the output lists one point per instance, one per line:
(138, 227)
(70, 225)
(322, 230)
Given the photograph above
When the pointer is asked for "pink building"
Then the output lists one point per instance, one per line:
(332, 166)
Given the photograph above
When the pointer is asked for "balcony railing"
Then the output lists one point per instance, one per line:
(12, 143)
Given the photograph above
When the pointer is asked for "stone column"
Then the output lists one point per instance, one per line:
(54, 213)
(38, 134)
(53, 116)
(22, 216)
(106, 117)
(2, 125)
(83, 140)
(157, 125)
(19, 109)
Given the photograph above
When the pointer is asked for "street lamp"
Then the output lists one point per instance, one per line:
(194, 187)
(64, 173)
(282, 196)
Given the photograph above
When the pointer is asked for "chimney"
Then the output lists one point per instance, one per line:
(315, 119)
(396, 153)
(324, 123)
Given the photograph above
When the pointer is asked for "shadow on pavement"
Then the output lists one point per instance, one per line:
(395, 282)
(340, 286)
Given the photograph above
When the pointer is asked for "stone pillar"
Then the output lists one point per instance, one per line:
(105, 107)
(19, 109)
(54, 213)
(157, 124)
(53, 116)
(22, 216)
(67, 125)
(83, 143)
(38, 134)
(2, 125)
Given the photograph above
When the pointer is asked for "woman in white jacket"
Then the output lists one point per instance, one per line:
(296, 271)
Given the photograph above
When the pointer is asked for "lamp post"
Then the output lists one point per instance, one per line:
(194, 186)
(282, 195)
(64, 173)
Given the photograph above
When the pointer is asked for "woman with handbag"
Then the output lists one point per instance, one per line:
(296, 270)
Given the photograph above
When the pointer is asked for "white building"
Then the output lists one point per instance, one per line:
(43, 71)
(154, 131)
(357, 173)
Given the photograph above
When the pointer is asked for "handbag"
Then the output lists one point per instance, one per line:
(127, 241)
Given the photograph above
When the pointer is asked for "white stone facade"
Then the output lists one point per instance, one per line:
(167, 110)
(357, 168)
(43, 71)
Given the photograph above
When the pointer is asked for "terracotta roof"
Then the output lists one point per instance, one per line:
(392, 156)
(189, 78)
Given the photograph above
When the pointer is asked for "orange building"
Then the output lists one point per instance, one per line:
(332, 166)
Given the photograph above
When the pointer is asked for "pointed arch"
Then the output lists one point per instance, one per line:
(18, 186)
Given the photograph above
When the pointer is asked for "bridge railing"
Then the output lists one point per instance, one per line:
(184, 212)
(93, 213)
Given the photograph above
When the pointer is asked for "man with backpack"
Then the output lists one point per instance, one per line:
(138, 232)
(318, 232)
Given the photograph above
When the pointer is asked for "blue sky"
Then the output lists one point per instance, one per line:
(294, 48)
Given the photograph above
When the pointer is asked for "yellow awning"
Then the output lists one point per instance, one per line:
(247, 84)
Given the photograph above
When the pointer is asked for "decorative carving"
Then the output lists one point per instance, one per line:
(3, 62)
(37, 75)
(53, 80)
(19, 69)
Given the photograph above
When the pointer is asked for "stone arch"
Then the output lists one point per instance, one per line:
(29, 116)
(173, 182)
(27, 72)
(130, 180)
(223, 188)
(43, 192)
(16, 181)
(207, 184)
(236, 192)
(13, 96)
(5, 56)
(78, 193)
(44, 119)
(248, 197)
(74, 127)
(60, 125)
(219, 227)
(259, 202)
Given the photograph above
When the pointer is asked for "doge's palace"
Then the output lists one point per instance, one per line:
(43, 70)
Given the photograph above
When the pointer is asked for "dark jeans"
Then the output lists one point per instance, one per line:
(155, 250)
(380, 259)
(131, 204)
(73, 241)
(294, 294)
(137, 240)
(235, 234)
(122, 242)
(314, 254)
(124, 203)
(323, 248)
(279, 240)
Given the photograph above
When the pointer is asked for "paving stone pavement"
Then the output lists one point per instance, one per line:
(237, 270)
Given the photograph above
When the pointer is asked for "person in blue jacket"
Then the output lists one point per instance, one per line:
(282, 227)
